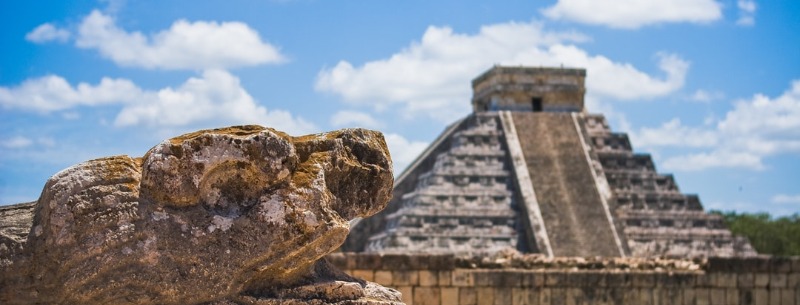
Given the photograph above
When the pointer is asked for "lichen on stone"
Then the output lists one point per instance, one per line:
(227, 215)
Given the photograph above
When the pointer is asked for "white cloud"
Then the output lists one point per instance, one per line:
(623, 81)
(403, 151)
(216, 98)
(347, 118)
(747, 6)
(47, 32)
(716, 158)
(786, 199)
(432, 76)
(52, 93)
(185, 45)
(746, 20)
(113, 6)
(704, 96)
(632, 14)
(673, 133)
(19, 142)
(16, 142)
(747, 11)
(771, 120)
(752, 130)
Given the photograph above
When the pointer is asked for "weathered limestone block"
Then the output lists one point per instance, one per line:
(234, 215)
(15, 223)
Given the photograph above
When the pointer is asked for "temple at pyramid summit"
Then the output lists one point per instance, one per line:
(530, 169)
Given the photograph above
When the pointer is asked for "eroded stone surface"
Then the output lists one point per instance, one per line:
(14, 228)
(211, 216)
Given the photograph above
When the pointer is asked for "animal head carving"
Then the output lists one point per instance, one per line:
(208, 213)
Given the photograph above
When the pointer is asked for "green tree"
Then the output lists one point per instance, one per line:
(779, 236)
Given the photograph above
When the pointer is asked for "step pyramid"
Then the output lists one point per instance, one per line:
(529, 169)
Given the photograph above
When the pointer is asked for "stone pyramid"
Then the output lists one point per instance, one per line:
(529, 169)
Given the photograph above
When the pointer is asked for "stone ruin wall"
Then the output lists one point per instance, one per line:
(512, 88)
(448, 280)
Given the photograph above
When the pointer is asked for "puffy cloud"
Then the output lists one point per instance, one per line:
(747, 11)
(432, 76)
(214, 98)
(716, 158)
(347, 118)
(673, 133)
(217, 97)
(403, 151)
(632, 14)
(185, 45)
(776, 118)
(623, 81)
(752, 130)
(747, 6)
(53, 93)
(47, 32)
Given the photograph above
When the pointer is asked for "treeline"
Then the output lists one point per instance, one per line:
(780, 236)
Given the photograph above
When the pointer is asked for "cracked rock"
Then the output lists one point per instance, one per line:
(235, 215)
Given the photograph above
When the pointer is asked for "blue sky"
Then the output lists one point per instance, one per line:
(710, 87)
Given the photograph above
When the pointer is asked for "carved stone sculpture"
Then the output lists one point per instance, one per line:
(239, 215)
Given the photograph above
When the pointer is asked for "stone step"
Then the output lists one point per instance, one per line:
(464, 194)
(571, 207)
